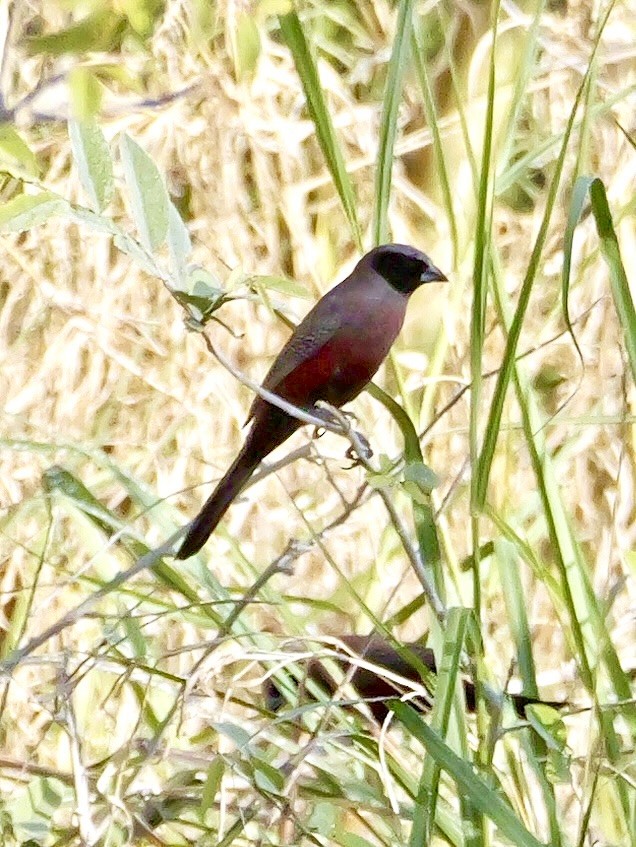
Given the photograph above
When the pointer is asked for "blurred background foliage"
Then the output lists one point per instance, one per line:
(166, 166)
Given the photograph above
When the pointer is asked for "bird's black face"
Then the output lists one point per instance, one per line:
(404, 267)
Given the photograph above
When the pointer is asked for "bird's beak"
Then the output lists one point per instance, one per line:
(433, 274)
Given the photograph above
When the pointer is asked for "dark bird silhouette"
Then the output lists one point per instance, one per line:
(331, 356)
(377, 689)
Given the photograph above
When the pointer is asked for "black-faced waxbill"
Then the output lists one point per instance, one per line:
(332, 355)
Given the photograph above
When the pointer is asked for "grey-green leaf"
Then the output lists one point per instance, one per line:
(148, 195)
(93, 161)
(16, 156)
(424, 477)
(28, 210)
(282, 285)
(179, 244)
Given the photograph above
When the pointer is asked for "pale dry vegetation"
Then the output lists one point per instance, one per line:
(101, 378)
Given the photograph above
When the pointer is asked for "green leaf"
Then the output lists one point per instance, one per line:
(93, 161)
(380, 480)
(424, 477)
(28, 210)
(179, 243)
(282, 285)
(86, 93)
(237, 734)
(204, 296)
(15, 156)
(246, 46)
(294, 35)
(388, 123)
(101, 31)
(148, 195)
(142, 14)
(267, 777)
(469, 784)
(33, 806)
(212, 784)
(385, 476)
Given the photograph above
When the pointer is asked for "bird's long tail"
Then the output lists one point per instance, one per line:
(218, 503)
(268, 432)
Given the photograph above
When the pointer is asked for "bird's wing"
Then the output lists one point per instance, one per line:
(310, 338)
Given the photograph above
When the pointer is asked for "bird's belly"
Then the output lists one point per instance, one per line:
(353, 367)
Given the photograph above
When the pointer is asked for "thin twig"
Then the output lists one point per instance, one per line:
(13, 115)
(489, 374)
(148, 560)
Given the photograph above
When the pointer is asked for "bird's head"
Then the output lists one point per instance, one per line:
(403, 267)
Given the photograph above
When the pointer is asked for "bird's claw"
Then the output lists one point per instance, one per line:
(351, 416)
(366, 451)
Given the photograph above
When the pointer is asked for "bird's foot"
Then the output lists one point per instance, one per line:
(350, 416)
(363, 450)
(360, 449)
(330, 417)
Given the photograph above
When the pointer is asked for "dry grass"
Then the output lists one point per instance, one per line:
(100, 376)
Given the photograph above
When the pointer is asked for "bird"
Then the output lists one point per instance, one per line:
(331, 356)
(374, 688)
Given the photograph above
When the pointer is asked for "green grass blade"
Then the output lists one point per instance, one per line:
(507, 559)
(447, 678)
(493, 424)
(293, 34)
(419, 60)
(516, 607)
(588, 628)
(423, 513)
(480, 794)
(388, 122)
(610, 250)
(577, 203)
(480, 267)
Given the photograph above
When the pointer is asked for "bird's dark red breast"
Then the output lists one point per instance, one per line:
(336, 372)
